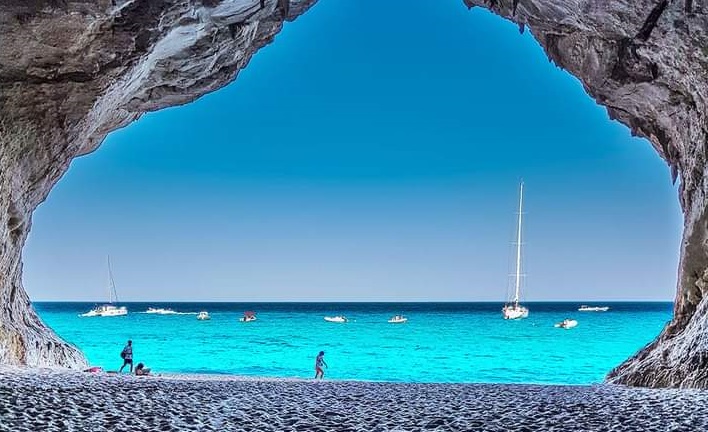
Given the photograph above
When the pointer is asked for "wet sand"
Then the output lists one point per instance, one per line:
(44, 400)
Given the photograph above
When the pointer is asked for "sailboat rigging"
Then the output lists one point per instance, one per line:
(513, 309)
(109, 309)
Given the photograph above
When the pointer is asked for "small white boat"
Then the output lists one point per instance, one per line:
(398, 319)
(109, 309)
(585, 308)
(160, 311)
(248, 317)
(513, 309)
(203, 316)
(566, 324)
(336, 319)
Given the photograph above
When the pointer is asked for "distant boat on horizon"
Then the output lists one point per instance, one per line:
(512, 309)
(160, 311)
(203, 316)
(336, 319)
(398, 319)
(585, 308)
(109, 309)
(248, 316)
(566, 324)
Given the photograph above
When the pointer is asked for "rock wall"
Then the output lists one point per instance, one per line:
(647, 62)
(72, 71)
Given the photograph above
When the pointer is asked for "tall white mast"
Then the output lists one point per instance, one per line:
(518, 246)
(111, 285)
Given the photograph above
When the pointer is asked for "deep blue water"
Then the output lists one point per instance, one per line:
(441, 342)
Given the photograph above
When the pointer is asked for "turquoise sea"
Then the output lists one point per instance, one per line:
(441, 342)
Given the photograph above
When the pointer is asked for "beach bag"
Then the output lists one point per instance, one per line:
(122, 355)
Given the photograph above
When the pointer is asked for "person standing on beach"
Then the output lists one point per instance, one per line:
(127, 355)
(319, 362)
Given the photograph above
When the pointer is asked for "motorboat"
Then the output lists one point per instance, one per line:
(203, 316)
(336, 319)
(566, 324)
(160, 311)
(513, 310)
(109, 309)
(398, 319)
(248, 316)
(586, 308)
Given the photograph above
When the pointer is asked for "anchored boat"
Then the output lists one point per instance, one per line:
(585, 308)
(160, 311)
(109, 309)
(248, 316)
(513, 309)
(566, 324)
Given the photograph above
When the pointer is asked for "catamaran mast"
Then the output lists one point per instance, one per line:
(518, 246)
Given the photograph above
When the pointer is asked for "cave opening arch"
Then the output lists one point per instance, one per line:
(618, 58)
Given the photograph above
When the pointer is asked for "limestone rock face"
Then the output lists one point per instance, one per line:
(73, 70)
(647, 62)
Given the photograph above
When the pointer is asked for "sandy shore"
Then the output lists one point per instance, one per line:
(42, 400)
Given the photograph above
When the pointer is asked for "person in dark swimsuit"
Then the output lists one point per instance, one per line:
(319, 363)
(127, 355)
(140, 369)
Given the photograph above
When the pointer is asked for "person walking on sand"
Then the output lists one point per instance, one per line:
(127, 356)
(319, 362)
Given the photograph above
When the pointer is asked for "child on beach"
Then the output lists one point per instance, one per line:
(319, 362)
(127, 356)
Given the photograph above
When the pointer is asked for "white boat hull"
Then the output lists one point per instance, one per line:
(398, 320)
(336, 319)
(514, 312)
(249, 319)
(106, 311)
(593, 308)
(203, 316)
(161, 311)
(566, 324)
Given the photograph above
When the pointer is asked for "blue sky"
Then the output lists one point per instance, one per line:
(373, 152)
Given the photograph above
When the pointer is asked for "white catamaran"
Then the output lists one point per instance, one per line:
(513, 310)
(109, 309)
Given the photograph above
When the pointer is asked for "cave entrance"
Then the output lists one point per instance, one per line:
(389, 143)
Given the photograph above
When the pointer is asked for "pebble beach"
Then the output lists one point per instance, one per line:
(52, 400)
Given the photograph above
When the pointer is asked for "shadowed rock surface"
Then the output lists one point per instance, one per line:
(72, 71)
(647, 62)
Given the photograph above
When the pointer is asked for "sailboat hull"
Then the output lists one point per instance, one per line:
(514, 312)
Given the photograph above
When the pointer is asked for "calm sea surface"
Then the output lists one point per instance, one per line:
(441, 342)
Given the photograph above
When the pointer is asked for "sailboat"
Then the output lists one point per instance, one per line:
(109, 309)
(514, 310)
